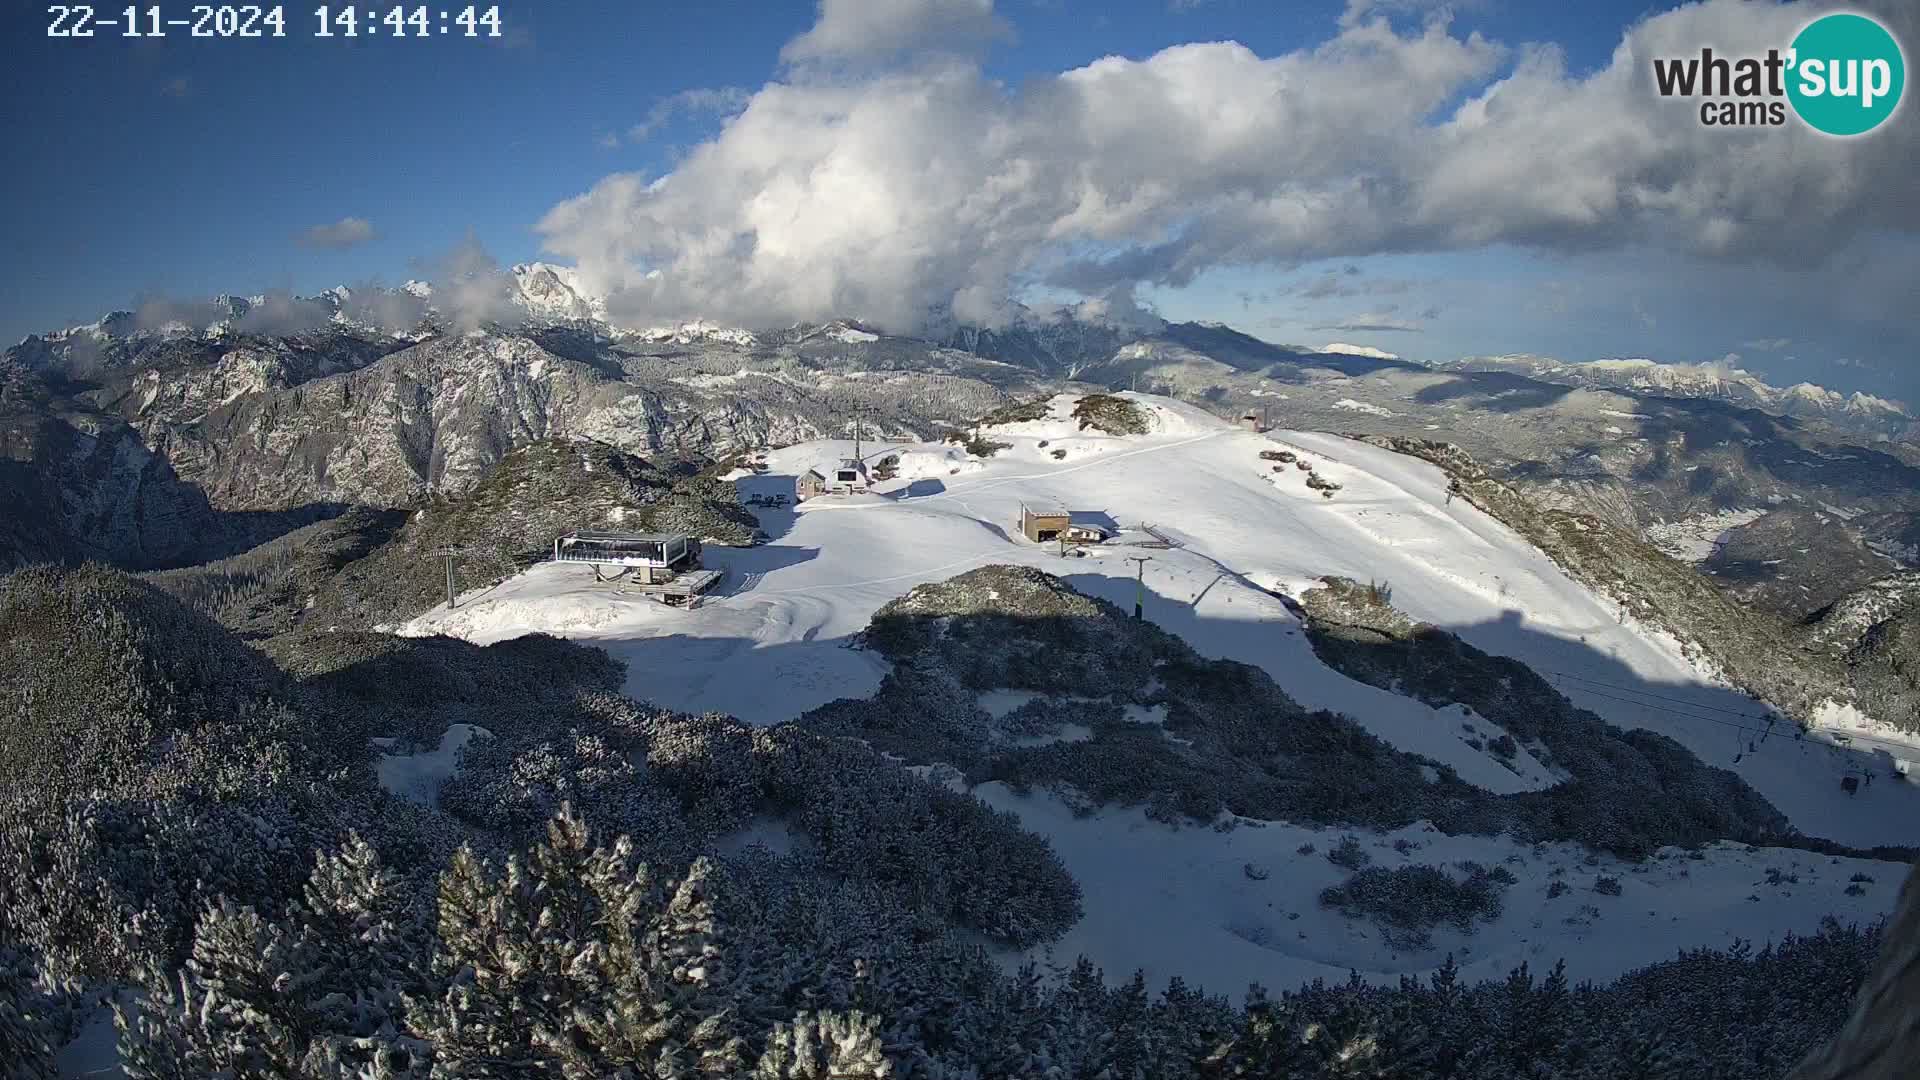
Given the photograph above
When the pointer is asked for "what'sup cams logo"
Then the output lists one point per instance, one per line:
(1842, 75)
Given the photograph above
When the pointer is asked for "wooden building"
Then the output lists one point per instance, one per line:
(1044, 524)
(1049, 524)
(811, 483)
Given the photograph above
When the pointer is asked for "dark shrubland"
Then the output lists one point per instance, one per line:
(1111, 414)
(95, 666)
(1409, 901)
(1244, 747)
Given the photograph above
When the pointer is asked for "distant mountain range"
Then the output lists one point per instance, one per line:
(184, 431)
(1718, 382)
(1065, 343)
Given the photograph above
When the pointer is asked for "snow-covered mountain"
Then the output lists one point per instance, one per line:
(379, 395)
(1720, 382)
(555, 292)
(1237, 544)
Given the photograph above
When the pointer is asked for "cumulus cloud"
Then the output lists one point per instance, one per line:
(394, 310)
(878, 29)
(278, 313)
(1359, 11)
(886, 190)
(717, 101)
(281, 313)
(348, 232)
(470, 289)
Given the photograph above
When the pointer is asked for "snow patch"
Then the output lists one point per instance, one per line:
(418, 777)
(1695, 539)
(1361, 407)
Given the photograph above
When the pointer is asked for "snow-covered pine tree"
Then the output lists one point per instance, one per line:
(233, 1010)
(825, 1046)
(315, 994)
(1271, 1042)
(35, 1015)
(573, 964)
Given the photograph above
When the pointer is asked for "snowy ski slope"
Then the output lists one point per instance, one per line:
(771, 645)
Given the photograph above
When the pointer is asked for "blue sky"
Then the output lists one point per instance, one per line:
(184, 168)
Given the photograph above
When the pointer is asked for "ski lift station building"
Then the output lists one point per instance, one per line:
(654, 558)
(849, 476)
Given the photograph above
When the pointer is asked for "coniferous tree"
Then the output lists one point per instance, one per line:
(573, 964)
(34, 1015)
(825, 1046)
(314, 994)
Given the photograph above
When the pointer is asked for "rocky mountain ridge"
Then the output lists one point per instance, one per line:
(1864, 413)
(147, 433)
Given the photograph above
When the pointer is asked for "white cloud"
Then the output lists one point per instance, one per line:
(348, 232)
(469, 287)
(882, 192)
(1359, 11)
(1767, 344)
(716, 101)
(876, 29)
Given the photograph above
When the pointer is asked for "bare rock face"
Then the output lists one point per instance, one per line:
(78, 484)
(1882, 1038)
(155, 450)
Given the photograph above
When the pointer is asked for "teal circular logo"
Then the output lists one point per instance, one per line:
(1846, 74)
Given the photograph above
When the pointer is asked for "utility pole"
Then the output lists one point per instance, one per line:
(447, 553)
(858, 409)
(1139, 582)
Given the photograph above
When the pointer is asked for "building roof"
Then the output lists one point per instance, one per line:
(1044, 508)
(624, 537)
(815, 473)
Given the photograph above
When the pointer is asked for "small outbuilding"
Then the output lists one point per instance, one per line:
(1044, 524)
(811, 483)
(1085, 532)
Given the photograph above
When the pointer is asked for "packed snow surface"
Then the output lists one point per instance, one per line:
(773, 642)
(417, 777)
(1184, 901)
